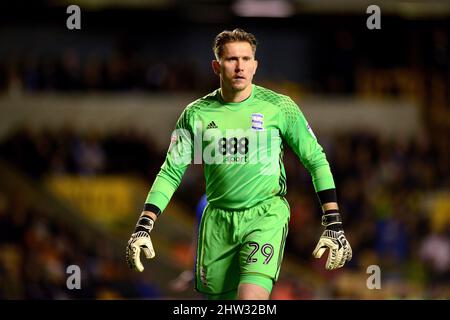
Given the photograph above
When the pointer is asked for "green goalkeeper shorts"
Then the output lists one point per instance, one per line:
(233, 243)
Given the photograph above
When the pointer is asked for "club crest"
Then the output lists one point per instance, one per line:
(257, 121)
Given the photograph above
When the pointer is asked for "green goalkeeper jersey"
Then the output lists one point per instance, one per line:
(240, 146)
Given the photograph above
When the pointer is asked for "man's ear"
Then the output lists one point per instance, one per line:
(216, 67)
(256, 66)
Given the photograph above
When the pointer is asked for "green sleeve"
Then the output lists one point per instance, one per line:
(297, 133)
(178, 158)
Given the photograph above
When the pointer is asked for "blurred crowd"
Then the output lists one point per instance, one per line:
(68, 152)
(337, 61)
(383, 188)
(36, 251)
(75, 71)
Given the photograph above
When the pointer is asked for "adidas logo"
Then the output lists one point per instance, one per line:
(212, 125)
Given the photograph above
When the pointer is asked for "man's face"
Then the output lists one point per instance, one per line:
(237, 66)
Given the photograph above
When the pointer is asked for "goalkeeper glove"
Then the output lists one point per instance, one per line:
(333, 238)
(140, 239)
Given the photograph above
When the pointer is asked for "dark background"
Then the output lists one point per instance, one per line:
(393, 190)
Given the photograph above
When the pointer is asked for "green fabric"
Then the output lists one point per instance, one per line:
(234, 244)
(258, 279)
(241, 148)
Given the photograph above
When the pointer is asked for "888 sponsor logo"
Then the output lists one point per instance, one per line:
(234, 149)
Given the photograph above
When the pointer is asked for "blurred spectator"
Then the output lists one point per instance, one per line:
(435, 252)
(89, 155)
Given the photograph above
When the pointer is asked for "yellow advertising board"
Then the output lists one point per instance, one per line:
(102, 199)
(440, 216)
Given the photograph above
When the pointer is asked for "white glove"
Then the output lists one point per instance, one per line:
(140, 239)
(340, 250)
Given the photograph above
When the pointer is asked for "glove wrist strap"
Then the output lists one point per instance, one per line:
(144, 223)
(331, 219)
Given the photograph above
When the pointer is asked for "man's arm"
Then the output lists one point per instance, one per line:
(179, 156)
(300, 137)
(329, 206)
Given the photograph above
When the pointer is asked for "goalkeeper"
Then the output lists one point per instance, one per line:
(233, 131)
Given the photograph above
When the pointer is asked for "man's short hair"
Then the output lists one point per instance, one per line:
(237, 35)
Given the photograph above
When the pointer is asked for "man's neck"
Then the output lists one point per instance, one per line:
(235, 96)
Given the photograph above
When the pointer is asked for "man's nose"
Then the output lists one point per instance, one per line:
(239, 65)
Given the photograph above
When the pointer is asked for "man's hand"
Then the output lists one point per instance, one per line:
(340, 250)
(333, 238)
(140, 239)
